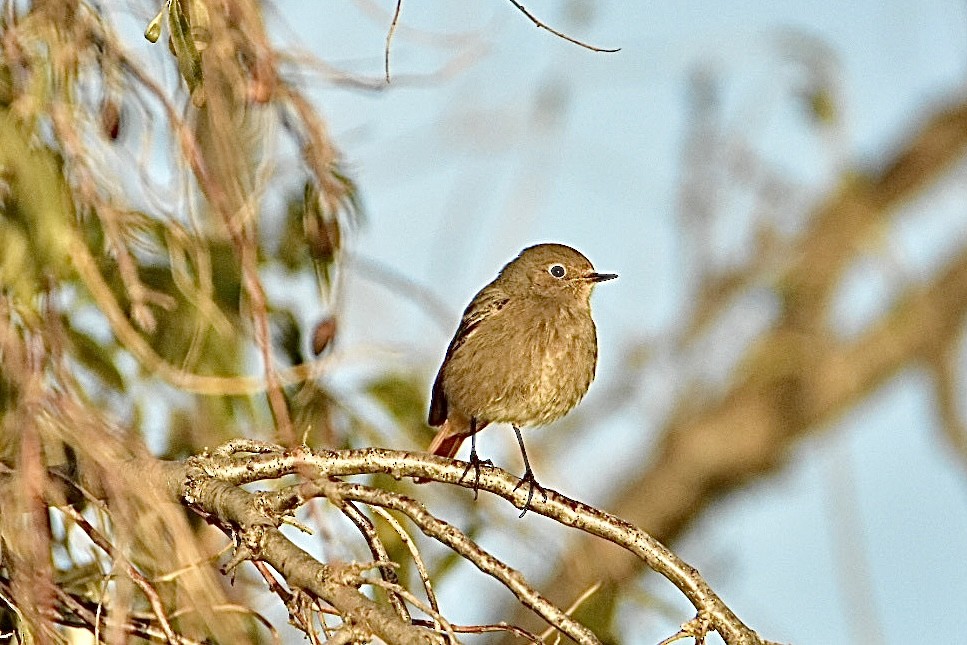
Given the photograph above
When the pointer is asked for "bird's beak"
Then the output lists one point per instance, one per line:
(600, 277)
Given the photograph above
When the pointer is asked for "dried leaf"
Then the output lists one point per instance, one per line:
(110, 119)
(189, 58)
(95, 357)
(153, 31)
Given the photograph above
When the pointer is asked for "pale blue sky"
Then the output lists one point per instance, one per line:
(534, 139)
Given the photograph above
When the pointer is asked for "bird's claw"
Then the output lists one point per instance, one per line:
(475, 463)
(529, 478)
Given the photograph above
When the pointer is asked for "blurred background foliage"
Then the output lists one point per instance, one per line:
(134, 232)
(76, 110)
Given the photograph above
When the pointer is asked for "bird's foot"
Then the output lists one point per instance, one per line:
(475, 463)
(530, 479)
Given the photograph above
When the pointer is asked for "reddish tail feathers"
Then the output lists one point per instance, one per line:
(445, 444)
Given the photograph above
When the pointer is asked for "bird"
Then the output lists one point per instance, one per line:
(525, 353)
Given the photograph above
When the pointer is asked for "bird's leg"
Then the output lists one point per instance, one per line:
(475, 461)
(528, 476)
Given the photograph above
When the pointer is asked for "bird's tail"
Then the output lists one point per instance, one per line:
(448, 440)
(446, 443)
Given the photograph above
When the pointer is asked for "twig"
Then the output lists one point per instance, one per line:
(389, 34)
(284, 594)
(461, 543)
(557, 33)
(238, 609)
(483, 629)
(574, 605)
(252, 282)
(378, 550)
(84, 616)
(438, 618)
(100, 607)
(696, 628)
(414, 553)
(136, 576)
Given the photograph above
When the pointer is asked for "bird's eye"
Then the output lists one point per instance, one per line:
(557, 270)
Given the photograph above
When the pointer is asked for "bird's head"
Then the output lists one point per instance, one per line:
(552, 271)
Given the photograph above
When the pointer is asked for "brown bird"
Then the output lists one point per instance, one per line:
(524, 354)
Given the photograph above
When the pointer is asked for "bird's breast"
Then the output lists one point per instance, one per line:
(524, 367)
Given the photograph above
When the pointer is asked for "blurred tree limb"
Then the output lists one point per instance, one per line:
(798, 377)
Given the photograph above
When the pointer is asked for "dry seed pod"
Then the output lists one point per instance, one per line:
(323, 334)
(110, 119)
(322, 233)
(322, 237)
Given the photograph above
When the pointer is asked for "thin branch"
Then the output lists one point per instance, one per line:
(534, 19)
(414, 553)
(338, 492)
(696, 628)
(77, 611)
(467, 548)
(590, 591)
(379, 552)
(136, 576)
(495, 627)
(438, 618)
(274, 586)
(237, 609)
(389, 34)
(263, 336)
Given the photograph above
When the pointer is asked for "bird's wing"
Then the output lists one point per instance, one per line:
(485, 304)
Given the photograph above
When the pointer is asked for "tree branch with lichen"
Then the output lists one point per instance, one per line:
(209, 483)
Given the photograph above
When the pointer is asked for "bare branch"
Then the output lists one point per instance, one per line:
(541, 25)
(574, 605)
(260, 539)
(414, 553)
(563, 509)
(129, 568)
(389, 34)
(463, 545)
(438, 618)
(378, 549)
